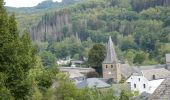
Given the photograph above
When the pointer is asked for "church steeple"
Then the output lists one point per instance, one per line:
(111, 56)
(110, 66)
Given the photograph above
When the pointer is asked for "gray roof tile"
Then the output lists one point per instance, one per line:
(93, 82)
(162, 92)
(149, 71)
(159, 73)
(111, 56)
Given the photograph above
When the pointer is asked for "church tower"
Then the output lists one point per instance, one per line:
(110, 66)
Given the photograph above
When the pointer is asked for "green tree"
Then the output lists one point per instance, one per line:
(128, 43)
(22, 60)
(48, 59)
(139, 58)
(96, 57)
(149, 41)
(4, 92)
(16, 56)
(165, 35)
(130, 55)
(40, 80)
(125, 95)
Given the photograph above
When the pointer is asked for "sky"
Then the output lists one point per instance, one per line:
(23, 3)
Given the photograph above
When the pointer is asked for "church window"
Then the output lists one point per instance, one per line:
(134, 85)
(106, 66)
(111, 66)
(139, 79)
(144, 86)
(153, 77)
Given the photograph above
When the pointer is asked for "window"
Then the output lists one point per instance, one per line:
(106, 66)
(134, 85)
(153, 77)
(139, 79)
(111, 66)
(144, 86)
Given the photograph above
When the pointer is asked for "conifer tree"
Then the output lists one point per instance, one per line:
(13, 26)
(16, 57)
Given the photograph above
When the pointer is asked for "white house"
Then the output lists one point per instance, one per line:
(147, 80)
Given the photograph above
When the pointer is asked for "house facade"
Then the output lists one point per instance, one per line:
(138, 83)
(147, 80)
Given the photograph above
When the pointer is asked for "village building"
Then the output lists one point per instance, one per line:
(93, 83)
(162, 92)
(144, 79)
(76, 74)
(110, 65)
(76, 63)
(147, 80)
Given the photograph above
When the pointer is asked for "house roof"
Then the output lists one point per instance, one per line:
(93, 82)
(127, 70)
(167, 58)
(159, 73)
(147, 71)
(162, 92)
(73, 74)
(150, 67)
(111, 56)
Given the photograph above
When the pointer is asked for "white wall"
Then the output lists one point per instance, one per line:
(139, 81)
(150, 86)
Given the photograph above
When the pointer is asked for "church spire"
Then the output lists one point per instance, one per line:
(111, 56)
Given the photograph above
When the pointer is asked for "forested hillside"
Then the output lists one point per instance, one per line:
(28, 16)
(139, 28)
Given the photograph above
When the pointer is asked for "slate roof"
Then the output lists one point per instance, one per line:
(111, 56)
(93, 82)
(167, 58)
(159, 73)
(127, 70)
(151, 67)
(162, 92)
(148, 71)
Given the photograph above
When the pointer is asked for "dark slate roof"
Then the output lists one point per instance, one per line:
(159, 73)
(162, 92)
(167, 58)
(93, 82)
(111, 56)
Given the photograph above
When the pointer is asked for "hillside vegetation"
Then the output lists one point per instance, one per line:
(140, 29)
(28, 70)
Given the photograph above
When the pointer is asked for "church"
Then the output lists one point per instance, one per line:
(144, 79)
(110, 66)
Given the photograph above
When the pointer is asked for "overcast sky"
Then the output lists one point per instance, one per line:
(23, 3)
